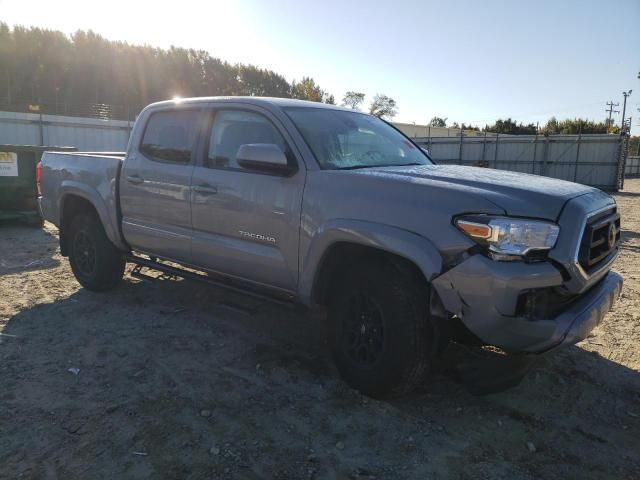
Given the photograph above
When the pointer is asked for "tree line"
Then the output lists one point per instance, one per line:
(553, 126)
(60, 73)
(48, 70)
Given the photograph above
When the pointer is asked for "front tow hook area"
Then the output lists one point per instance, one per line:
(485, 370)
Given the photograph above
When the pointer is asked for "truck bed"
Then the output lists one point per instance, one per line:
(90, 175)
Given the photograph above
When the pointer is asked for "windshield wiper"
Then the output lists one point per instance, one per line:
(355, 167)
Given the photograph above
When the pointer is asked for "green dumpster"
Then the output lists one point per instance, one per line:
(18, 191)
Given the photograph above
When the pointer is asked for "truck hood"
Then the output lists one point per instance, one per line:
(518, 194)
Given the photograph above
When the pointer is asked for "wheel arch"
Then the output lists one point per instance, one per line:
(77, 198)
(343, 242)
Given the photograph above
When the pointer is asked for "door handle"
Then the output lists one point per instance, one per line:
(135, 179)
(204, 189)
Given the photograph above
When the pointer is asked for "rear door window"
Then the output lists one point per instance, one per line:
(169, 136)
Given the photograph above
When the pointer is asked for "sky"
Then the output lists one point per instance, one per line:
(468, 61)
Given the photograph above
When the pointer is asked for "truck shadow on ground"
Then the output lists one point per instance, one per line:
(176, 379)
(38, 255)
(627, 237)
(623, 194)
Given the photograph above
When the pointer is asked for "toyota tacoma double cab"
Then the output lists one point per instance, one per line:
(316, 205)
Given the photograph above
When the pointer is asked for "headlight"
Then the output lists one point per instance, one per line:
(509, 238)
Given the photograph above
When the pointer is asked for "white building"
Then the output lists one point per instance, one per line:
(414, 130)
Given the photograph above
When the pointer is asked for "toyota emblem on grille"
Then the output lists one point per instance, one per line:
(611, 236)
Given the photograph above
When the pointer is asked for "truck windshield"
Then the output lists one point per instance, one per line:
(343, 140)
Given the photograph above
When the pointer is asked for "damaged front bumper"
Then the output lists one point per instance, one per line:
(487, 297)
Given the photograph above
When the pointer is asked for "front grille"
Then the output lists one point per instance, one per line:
(600, 238)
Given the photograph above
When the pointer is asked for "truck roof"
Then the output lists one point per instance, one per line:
(261, 101)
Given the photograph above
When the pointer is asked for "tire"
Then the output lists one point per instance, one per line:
(382, 337)
(96, 263)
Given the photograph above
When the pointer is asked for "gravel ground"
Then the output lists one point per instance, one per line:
(170, 379)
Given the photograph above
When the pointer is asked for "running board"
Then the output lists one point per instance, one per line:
(204, 278)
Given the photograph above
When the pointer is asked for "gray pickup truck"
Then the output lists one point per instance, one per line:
(313, 204)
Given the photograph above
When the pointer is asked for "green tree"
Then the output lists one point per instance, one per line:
(383, 106)
(572, 126)
(438, 122)
(353, 100)
(552, 127)
(510, 127)
(308, 89)
(256, 81)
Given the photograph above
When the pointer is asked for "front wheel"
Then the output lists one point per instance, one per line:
(95, 261)
(381, 333)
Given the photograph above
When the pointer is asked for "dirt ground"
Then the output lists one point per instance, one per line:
(171, 379)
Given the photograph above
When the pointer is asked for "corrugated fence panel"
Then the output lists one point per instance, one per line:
(445, 150)
(470, 151)
(561, 158)
(16, 129)
(515, 154)
(84, 133)
(632, 168)
(599, 161)
(589, 159)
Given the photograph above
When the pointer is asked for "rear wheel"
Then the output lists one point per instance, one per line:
(95, 261)
(382, 336)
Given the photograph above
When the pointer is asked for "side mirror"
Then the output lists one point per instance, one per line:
(267, 157)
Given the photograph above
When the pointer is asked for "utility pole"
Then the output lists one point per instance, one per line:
(638, 150)
(624, 109)
(610, 104)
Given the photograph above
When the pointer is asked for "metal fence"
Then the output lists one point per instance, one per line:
(632, 167)
(595, 160)
(83, 133)
(103, 111)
